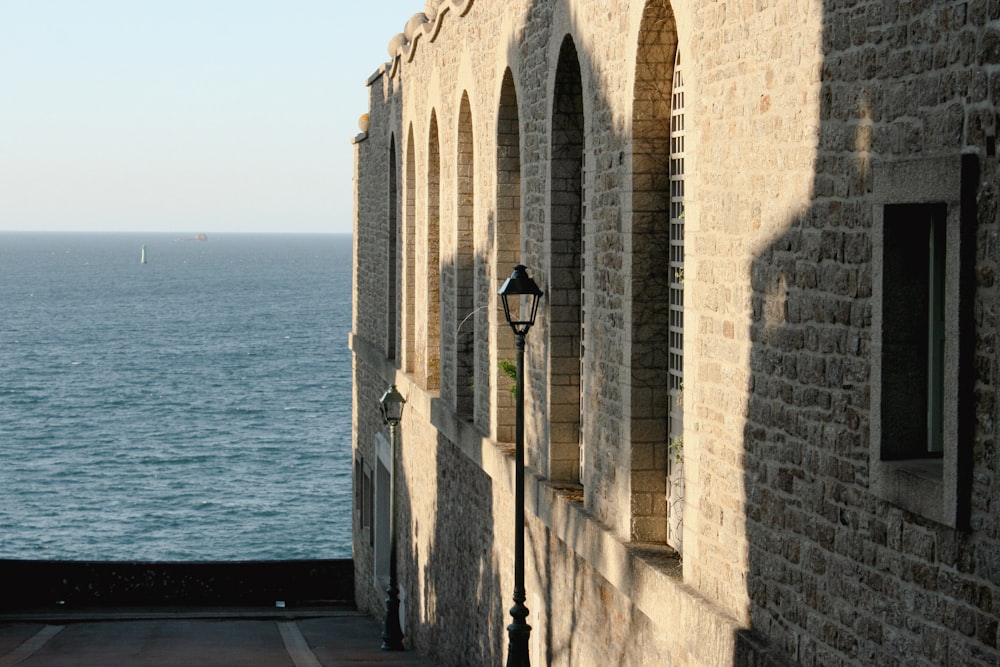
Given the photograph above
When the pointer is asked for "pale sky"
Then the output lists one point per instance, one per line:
(185, 115)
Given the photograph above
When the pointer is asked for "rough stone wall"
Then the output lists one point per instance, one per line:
(604, 38)
(368, 594)
(455, 525)
(792, 109)
(371, 175)
(837, 576)
(753, 77)
(371, 234)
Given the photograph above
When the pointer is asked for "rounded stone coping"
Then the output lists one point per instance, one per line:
(427, 24)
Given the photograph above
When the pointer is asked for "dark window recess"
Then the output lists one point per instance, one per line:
(359, 491)
(913, 331)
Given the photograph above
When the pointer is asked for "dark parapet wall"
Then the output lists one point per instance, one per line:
(46, 584)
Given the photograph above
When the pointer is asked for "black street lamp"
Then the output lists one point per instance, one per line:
(392, 635)
(519, 285)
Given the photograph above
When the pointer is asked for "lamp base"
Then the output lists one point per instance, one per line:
(392, 634)
(518, 633)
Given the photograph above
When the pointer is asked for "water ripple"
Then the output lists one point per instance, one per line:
(196, 408)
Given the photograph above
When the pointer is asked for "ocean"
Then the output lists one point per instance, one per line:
(193, 408)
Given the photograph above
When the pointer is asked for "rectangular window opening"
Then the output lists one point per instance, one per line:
(367, 502)
(359, 492)
(381, 512)
(913, 336)
(924, 242)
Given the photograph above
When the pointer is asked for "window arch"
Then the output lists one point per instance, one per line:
(656, 285)
(507, 246)
(431, 370)
(566, 299)
(465, 320)
(410, 261)
(392, 293)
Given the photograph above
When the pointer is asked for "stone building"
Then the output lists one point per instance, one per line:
(760, 393)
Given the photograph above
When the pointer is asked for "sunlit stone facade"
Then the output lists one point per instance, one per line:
(760, 400)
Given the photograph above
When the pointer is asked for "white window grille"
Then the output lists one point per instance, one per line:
(675, 290)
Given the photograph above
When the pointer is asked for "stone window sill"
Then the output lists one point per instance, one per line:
(916, 485)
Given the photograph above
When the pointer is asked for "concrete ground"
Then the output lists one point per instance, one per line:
(321, 637)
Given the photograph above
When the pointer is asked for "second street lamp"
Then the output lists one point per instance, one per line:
(391, 404)
(520, 292)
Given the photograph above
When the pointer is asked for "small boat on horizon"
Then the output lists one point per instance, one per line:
(142, 256)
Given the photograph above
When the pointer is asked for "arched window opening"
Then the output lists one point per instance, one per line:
(410, 261)
(566, 299)
(657, 287)
(465, 320)
(392, 291)
(432, 282)
(507, 245)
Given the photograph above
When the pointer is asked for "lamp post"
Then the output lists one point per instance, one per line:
(392, 634)
(517, 286)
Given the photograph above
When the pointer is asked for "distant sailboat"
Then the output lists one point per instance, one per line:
(142, 259)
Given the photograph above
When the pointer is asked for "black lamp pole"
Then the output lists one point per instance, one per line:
(519, 284)
(392, 634)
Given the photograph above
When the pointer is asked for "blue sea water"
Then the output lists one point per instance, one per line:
(196, 407)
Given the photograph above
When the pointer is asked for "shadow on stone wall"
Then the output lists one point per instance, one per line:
(837, 576)
(461, 563)
(460, 570)
(818, 591)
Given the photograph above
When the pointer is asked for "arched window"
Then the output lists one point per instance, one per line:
(392, 302)
(410, 258)
(656, 286)
(507, 245)
(465, 320)
(566, 298)
(432, 267)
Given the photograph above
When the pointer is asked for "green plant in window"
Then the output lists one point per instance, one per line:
(676, 446)
(508, 368)
(676, 449)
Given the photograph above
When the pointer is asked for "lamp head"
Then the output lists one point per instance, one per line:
(392, 406)
(520, 285)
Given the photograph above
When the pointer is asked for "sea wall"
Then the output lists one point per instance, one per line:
(69, 585)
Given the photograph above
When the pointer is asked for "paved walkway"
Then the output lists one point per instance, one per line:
(320, 637)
